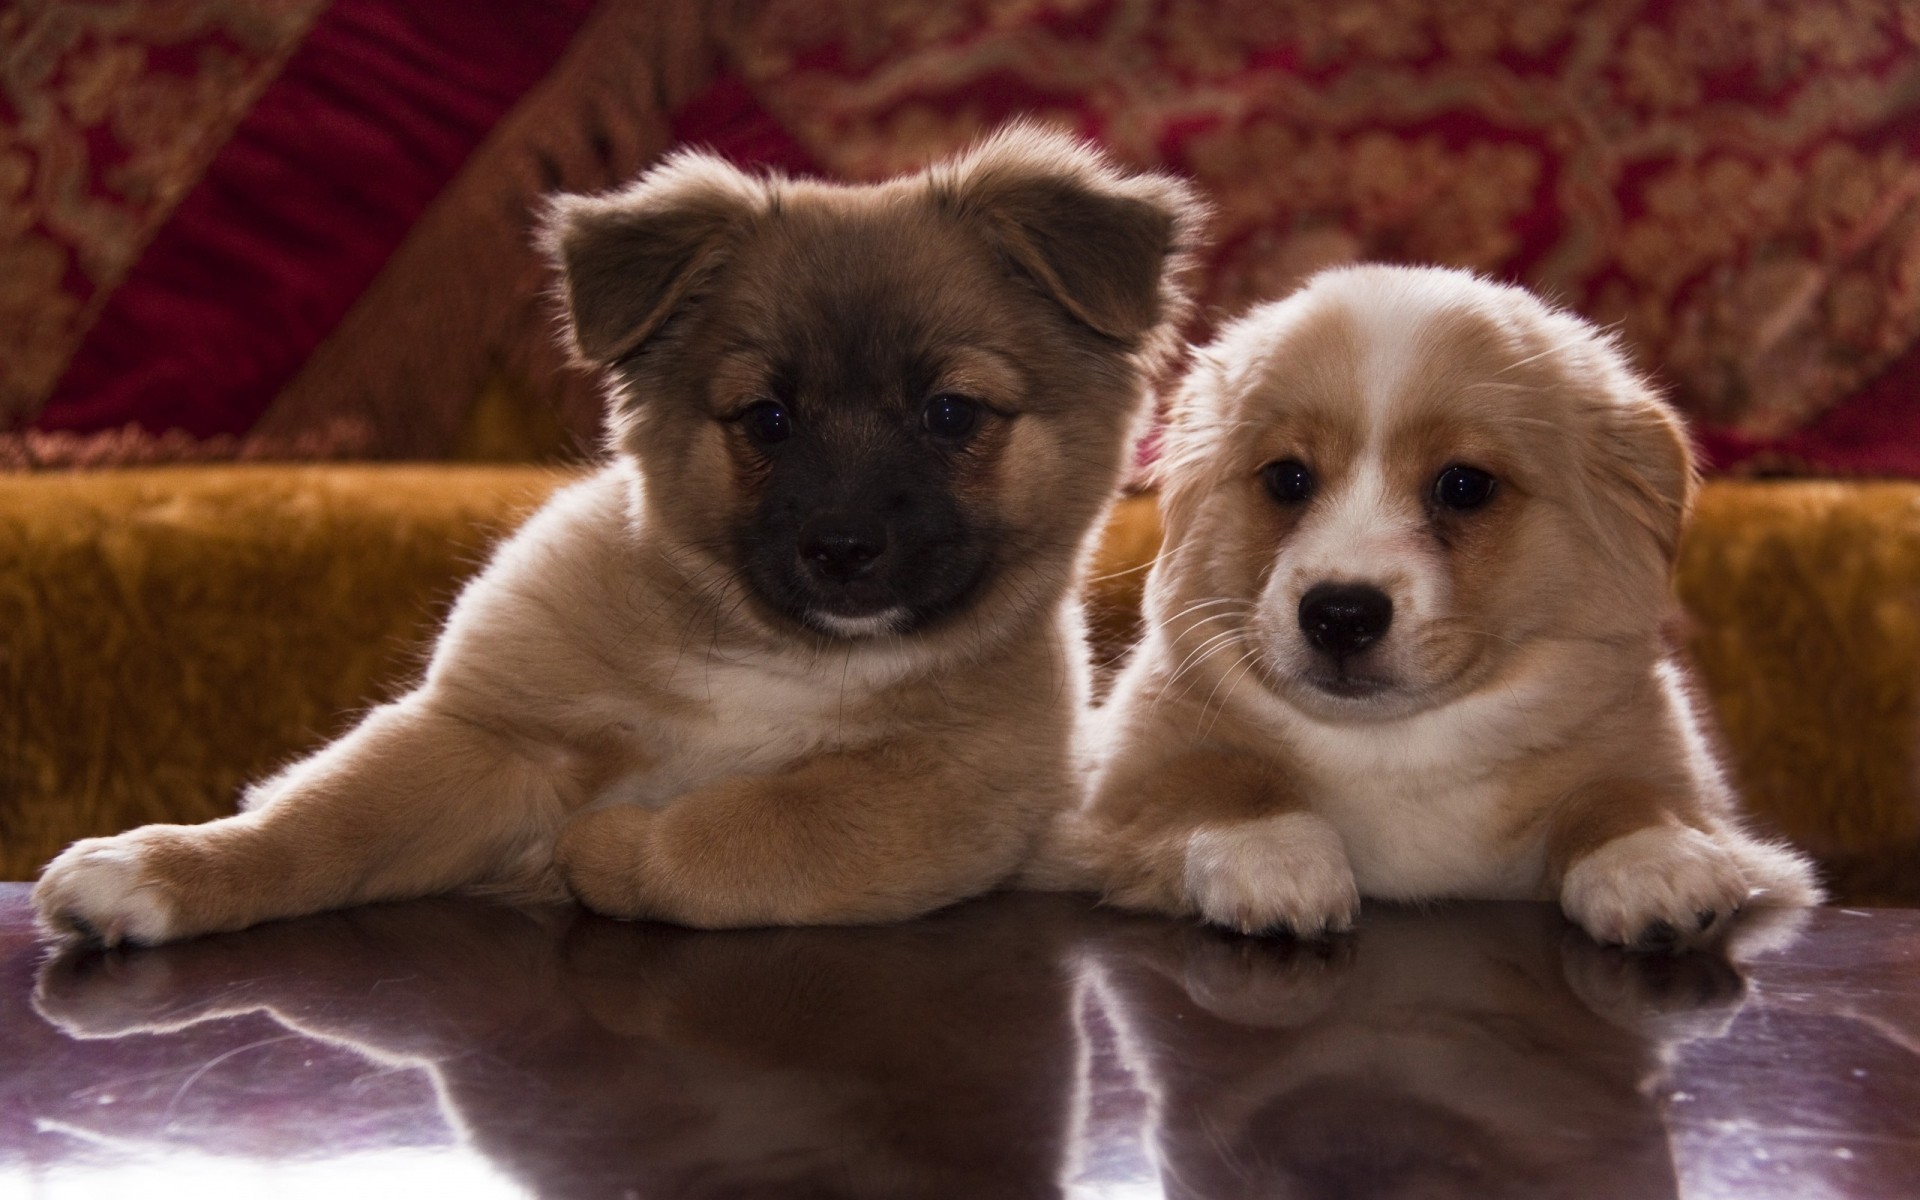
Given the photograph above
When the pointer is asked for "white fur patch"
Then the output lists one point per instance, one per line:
(1364, 534)
(889, 621)
(1667, 873)
(101, 885)
(1287, 871)
(748, 720)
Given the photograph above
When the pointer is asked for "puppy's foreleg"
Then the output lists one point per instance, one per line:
(412, 801)
(843, 839)
(1215, 834)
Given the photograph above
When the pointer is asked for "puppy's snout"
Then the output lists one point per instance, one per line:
(841, 548)
(1344, 618)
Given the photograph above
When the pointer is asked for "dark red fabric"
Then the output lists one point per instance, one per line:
(727, 120)
(1875, 432)
(370, 118)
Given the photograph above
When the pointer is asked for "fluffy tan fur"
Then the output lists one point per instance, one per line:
(1520, 730)
(613, 707)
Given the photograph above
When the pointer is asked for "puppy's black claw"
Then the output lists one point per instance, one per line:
(84, 928)
(1659, 936)
(1707, 918)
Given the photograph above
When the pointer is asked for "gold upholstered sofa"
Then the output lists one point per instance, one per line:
(168, 633)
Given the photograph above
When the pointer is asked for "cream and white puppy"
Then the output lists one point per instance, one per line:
(1405, 637)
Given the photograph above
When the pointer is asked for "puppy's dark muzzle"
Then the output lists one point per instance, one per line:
(1344, 619)
(837, 549)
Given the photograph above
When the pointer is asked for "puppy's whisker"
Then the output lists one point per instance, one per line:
(1199, 654)
(1216, 635)
(1209, 706)
(1231, 606)
(1244, 655)
(1186, 690)
(1216, 602)
(1135, 569)
(1197, 624)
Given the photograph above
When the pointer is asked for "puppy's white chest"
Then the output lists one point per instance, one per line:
(1407, 839)
(1419, 815)
(742, 721)
(1423, 805)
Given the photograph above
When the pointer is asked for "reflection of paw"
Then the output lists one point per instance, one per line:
(1664, 888)
(93, 993)
(1287, 873)
(1677, 997)
(104, 889)
(1261, 982)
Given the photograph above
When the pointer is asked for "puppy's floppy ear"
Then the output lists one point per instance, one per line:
(628, 258)
(1111, 249)
(1649, 465)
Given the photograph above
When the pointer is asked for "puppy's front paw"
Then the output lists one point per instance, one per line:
(1665, 888)
(601, 856)
(1287, 873)
(105, 890)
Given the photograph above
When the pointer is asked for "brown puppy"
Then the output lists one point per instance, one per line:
(1405, 636)
(806, 650)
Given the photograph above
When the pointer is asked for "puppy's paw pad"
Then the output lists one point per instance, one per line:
(1287, 873)
(102, 889)
(1658, 890)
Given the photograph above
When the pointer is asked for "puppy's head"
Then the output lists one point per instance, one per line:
(882, 409)
(1399, 482)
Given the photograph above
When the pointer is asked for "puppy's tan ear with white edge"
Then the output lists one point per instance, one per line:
(1112, 249)
(629, 258)
(1648, 460)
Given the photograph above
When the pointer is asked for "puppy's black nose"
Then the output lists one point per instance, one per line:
(842, 548)
(1344, 618)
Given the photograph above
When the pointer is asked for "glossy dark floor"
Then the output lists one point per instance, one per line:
(1018, 1046)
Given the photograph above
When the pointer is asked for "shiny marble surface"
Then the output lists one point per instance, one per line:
(1017, 1046)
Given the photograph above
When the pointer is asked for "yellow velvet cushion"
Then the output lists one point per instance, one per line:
(166, 635)
(1805, 598)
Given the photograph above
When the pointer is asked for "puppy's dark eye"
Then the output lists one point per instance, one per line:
(950, 416)
(1288, 481)
(1462, 489)
(767, 422)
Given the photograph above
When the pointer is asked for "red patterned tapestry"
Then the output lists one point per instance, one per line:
(1734, 186)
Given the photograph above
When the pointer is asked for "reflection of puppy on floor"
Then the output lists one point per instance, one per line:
(588, 1057)
(807, 650)
(1406, 637)
(1436, 1055)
